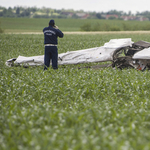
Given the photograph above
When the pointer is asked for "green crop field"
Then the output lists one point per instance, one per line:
(37, 25)
(71, 108)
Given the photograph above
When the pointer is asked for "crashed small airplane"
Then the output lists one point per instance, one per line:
(123, 53)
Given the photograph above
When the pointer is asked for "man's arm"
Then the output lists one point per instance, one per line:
(59, 33)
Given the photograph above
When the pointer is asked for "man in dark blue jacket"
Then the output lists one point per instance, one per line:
(50, 40)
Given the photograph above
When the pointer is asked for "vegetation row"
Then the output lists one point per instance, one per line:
(37, 24)
(71, 108)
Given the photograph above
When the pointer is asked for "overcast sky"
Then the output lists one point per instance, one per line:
(86, 5)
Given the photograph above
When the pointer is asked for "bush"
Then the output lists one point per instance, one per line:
(97, 27)
(146, 27)
(86, 27)
(106, 27)
(115, 28)
(126, 27)
(1, 30)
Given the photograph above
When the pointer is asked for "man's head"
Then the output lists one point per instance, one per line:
(52, 23)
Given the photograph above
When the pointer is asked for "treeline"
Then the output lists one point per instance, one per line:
(34, 12)
(17, 11)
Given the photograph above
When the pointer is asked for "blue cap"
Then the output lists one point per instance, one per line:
(52, 22)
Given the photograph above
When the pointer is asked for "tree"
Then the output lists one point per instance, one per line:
(98, 15)
(129, 13)
(25, 13)
(18, 11)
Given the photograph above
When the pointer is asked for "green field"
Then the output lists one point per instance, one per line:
(37, 25)
(71, 108)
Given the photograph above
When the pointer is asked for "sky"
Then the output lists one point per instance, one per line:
(86, 5)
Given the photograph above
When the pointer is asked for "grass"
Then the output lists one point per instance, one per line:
(37, 24)
(71, 109)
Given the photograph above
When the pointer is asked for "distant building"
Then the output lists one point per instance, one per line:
(141, 18)
(82, 15)
(111, 16)
(138, 18)
(68, 14)
(128, 18)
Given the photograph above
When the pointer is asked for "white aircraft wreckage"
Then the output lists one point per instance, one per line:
(123, 53)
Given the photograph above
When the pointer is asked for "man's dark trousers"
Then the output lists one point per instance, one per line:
(51, 52)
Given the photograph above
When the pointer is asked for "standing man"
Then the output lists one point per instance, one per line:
(50, 40)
